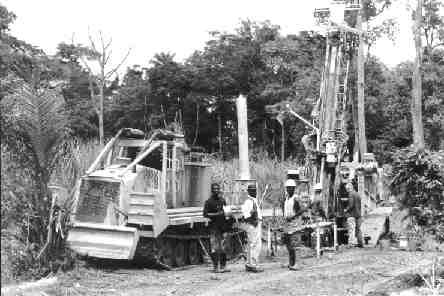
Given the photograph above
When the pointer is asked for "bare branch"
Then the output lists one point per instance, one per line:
(110, 73)
(108, 57)
(91, 40)
(109, 43)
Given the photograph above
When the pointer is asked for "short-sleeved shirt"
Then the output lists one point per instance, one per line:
(249, 206)
(214, 205)
(291, 206)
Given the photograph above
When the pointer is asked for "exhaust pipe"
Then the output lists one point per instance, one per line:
(242, 133)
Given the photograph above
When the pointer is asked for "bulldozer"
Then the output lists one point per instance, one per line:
(143, 198)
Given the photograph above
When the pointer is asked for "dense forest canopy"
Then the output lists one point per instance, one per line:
(255, 60)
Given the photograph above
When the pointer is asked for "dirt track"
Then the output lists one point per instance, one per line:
(349, 272)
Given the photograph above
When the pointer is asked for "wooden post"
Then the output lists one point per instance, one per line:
(361, 105)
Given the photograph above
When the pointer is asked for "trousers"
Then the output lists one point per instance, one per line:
(354, 230)
(217, 240)
(254, 242)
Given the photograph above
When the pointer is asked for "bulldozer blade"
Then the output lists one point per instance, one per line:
(103, 241)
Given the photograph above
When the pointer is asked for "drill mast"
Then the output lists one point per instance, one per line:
(327, 143)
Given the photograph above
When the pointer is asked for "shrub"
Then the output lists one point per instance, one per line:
(18, 213)
(418, 180)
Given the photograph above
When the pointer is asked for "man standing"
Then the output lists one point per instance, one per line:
(252, 225)
(213, 210)
(353, 213)
(292, 214)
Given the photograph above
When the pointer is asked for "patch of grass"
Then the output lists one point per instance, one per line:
(263, 170)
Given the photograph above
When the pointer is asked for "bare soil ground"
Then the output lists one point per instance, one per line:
(347, 272)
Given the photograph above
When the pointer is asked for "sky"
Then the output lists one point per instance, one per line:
(176, 26)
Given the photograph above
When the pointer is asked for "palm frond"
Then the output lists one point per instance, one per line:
(39, 118)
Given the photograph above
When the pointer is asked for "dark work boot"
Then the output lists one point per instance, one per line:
(293, 265)
(215, 260)
(291, 258)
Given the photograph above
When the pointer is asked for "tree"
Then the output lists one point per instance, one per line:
(76, 90)
(416, 109)
(101, 55)
(366, 13)
(433, 27)
(132, 106)
(294, 66)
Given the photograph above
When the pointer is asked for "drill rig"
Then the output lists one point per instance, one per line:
(327, 167)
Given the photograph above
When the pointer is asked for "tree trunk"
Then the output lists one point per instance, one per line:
(45, 208)
(416, 108)
(101, 95)
(283, 142)
(219, 133)
(196, 132)
(361, 104)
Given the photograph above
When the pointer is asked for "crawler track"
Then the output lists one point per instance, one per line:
(177, 248)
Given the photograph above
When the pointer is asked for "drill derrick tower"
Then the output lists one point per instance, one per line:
(326, 144)
(330, 110)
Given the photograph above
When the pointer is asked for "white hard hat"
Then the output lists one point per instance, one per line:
(290, 183)
(317, 187)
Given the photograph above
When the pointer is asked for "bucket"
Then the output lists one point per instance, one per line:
(403, 242)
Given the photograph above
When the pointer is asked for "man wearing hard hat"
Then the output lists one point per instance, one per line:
(293, 211)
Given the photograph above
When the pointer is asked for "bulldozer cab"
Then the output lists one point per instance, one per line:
(186, 173)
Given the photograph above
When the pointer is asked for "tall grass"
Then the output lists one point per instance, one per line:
(262, 169)
(76, 159)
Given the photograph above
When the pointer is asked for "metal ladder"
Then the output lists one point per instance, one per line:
(341, 93)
